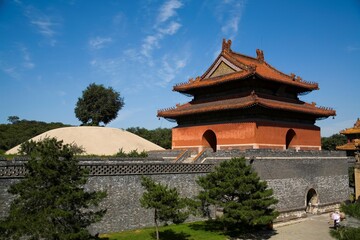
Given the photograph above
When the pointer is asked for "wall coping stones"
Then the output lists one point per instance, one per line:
(118, 169)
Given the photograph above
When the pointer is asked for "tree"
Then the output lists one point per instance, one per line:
(98, 104)
(237, 189)
(166, 203)
(50, 201)
(159, 136)
(13, 119)
(330, 143)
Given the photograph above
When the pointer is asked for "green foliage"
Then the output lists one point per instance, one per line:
(166, 202)
(348, 233)
(26, 148)
(133, 154)
(12, 135)
(29, 147)
(185, 231)
(352, 209)
(98, 104)
(13, 119)
(50, 202)
(330, 143)
(121, 153)
(245, 199)
(136, 154)
(351, 177)
(159, 136)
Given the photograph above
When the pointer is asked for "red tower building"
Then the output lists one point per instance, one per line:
(242, 102)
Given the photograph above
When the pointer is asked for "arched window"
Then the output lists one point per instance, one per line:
(290, 137)
(209, 140)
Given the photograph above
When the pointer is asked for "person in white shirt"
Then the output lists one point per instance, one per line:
(336, 217)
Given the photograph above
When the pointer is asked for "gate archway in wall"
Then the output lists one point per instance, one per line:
(312, 201)
(290, 137)
(209, 140)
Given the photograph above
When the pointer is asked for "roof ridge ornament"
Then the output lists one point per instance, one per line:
(260, 55)
(254, 95)
(226, 45)
(357, 123)
(252, 67)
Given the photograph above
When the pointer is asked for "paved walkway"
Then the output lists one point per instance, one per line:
(314, 227)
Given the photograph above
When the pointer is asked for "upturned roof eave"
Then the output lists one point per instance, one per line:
(350, 131)
(175, 113)
(347, 147)
(190, 87)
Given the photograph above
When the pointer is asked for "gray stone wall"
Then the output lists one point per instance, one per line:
(291, 179)
(5, 197)
(123, 207)
(290, 174)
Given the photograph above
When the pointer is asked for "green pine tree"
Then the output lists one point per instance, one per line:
(245, 199)
(166, 202)
(51, 202)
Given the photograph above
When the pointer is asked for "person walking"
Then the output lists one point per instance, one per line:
(336, 218)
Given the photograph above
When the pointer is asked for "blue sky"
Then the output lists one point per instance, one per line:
(50, 51)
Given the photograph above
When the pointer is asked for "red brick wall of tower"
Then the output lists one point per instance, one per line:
(249, 135)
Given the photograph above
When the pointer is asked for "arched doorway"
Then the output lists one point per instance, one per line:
(209, 140)
(290, 137)
(312, 201)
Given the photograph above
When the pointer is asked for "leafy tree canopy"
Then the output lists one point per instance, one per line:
(13, 119)
(98, 104)
(159, 136)
(50, 202)
(237, 189)
(330, 143)
(166, 203)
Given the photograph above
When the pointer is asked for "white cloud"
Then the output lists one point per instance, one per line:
(170, 69)
(168, 10)
(133, 55)
(231, 26)
(99, 42)
(171, 29)
(27, 62)
(10, 71)
(45, 25)
(352, 49)
(16, 67)
(149, 43)
(163, 25)
(112, 68)
(162, 28)
(229, 13)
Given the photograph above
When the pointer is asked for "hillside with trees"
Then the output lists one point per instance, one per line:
(18, 131)
(159, 136)
(330, 143)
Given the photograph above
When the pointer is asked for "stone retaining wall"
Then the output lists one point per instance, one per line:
(290, 174)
